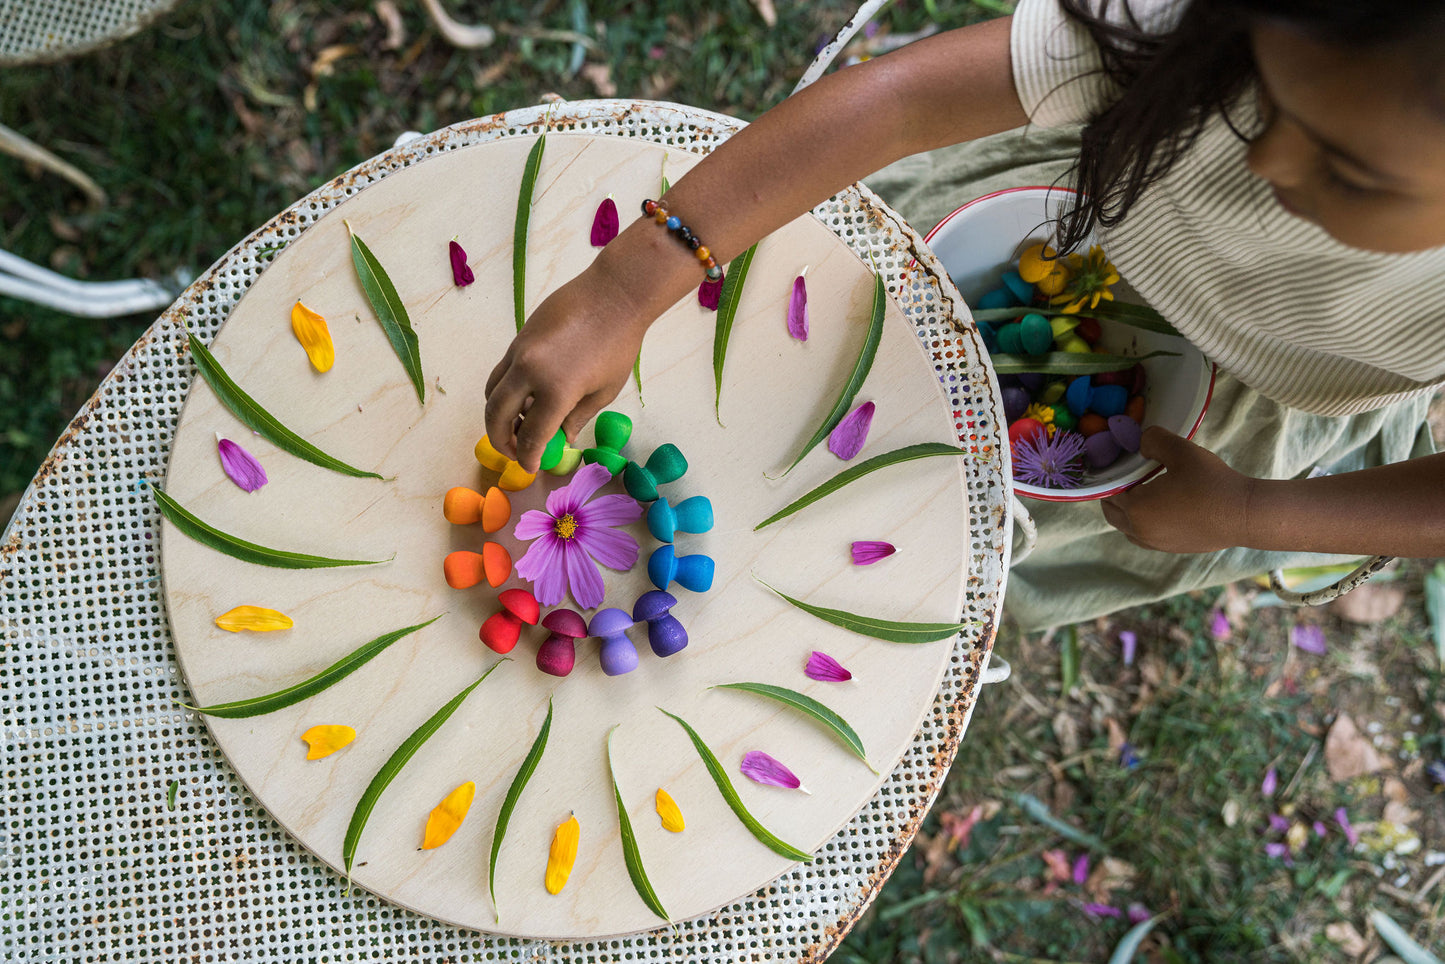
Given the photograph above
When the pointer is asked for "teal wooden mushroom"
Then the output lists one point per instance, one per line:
(692, 515)
(664, 465)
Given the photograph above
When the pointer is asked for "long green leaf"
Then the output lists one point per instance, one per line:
(1400, 940)
(630, 854)
(1435, 606)
(637, 376)
(514, 793)
(727, 310)
(808, 707)
(390, 311)
(260, 421)
(908, 453)
(1136, 316)
(856, 378)
(894, 632)
(730, 794)
(392, 767)
(1069, 362)
(1038, 811)
(307, 688)
(208, 535)
(1129, 945)
(519, 233)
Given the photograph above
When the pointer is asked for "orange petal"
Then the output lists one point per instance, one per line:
(448, 815)
(668, 810)
(562, 855)
(496, 510)
(326, 739)
(314, 336)
(463, 506)
(496, 563)
(463, 569)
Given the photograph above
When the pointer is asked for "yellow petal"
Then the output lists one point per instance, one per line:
(315, 337)
(253, 619)
(326, 739)
(668, 811)
(448, 815)
(562, 855)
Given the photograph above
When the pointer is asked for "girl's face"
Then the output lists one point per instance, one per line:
(1353, 140)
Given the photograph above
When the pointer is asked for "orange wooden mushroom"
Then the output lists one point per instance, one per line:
(464, 569)
(463, 506)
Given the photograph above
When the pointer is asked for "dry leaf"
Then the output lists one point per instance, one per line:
(390, 18)
(1348, 753)
(1397, 805)
(1369, 604)
(1117, 736)
(600, 77)
(1349, 940)
(1066, 731)
(323, 64)
(1110, 875)
(767, 12)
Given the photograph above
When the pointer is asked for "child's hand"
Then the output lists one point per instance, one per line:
(1197, 505)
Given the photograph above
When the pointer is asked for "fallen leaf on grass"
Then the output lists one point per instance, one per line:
(1112, 874)
(1397, 804)
(1369, 604)
(1348, 753)
(1349, 940)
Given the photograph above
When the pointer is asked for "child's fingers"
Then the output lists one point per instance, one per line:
(578, 418)
(537, 428)
(1163, 446)
(506, 402)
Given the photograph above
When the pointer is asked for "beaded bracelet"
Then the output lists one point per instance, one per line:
(658, 212)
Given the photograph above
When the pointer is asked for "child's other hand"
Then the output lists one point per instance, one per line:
(1198, 504)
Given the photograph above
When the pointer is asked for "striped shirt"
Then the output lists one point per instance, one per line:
(1296, 315)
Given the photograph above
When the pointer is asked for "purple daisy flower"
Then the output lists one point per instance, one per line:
(1054, 462)
(572, 536)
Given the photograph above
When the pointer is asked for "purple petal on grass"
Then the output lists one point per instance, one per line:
(1319, 829)
(1276, 849)
(1128, 759)
(1343, 819)
(1309, 638)
(798, 310)
(461, 271)
(1137, 913)
(1278, 824)
(1081, 869)
(826, 669)
(1102, 910)
(761, 768)
(867, 553)
(1129, 643)
(847, 439)
(1271, 782)
(605, 224)
(709, 294)
(1219, 626)
(240, 465)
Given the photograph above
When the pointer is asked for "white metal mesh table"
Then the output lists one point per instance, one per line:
(35, 31)
(93, 863)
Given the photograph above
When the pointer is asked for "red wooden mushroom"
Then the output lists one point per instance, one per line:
(501, 630)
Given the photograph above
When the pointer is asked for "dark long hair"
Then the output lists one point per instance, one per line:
(1173, 82)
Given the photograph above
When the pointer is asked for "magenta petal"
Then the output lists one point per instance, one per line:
(585, 481)
(1277, 850)
(709, 294)
(605, 224)
(240, 465)
(583, 580)
(1278, 824)
(544, 566)
(1219, 626)
(1129, 645)
(847, 439)
(534, 523)
(610, 547)
(1309, 638)
(1138, 913)
(826, 669)
(1343, 819)
(867, 553)
(609, 510)
(1271, 782)
(1102, 910)
(761, 768)
(1081, 869)
(461, 271)
(798, 310)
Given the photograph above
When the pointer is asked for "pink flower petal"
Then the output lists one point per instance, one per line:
(1219, 626)
(709, 294)
(605, 224)
(543, 565)
(1271, 782)
(1137, 913)
(461, 271)
(867, 553)
(847, 439)
(1056, 863)
(610, 547)
(1309, 638)
(1277, 850)
(609, 510)
(1343, 819)
(1102, 910)
(798, 310)
(240, 465)
(534, 523)
(1081, 869)
(1319, 829)
(761, 768)
(1278, 824)
(570, 497)
(1128, 644)
(826, 669)
(583, 580)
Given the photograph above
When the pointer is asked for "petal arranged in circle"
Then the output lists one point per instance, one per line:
(544, 566)
(611, 547)
(609, 510)
(533, 523)
(571, 497)
(583, 579)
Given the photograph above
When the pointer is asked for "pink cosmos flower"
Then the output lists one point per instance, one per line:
(572, 537)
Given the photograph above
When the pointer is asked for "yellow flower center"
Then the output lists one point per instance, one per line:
(566, 527)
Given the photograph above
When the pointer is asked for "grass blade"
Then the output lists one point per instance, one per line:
(1435, 606)
(637, 376)
(389, 311)
(808, 707)
(1129, 945)
(908, 453)
(1135, 316)
(730, 794)
(250, 552)
(392, 767)
(1037, 811)
(514, 793)
(727, 310)
(291, 695)
(1069, 660)
(1070, 363)
(260, 421)
(857, 376)
(630, 854)
(1400, 940)
(893, 632)
(519, 234)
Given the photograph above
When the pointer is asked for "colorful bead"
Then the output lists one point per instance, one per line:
(658, 212)
(685, 233)
(694, 242)
(648, 207)
(714, 273)
(703, 253)
(673, 224)
(661, 216)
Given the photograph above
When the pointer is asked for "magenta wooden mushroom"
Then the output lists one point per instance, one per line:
(558, 653)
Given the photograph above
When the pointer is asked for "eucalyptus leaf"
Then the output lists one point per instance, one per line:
(727, 310)
(307, 688)
(514, 793)
(808, 707)
(389, 311)
(260, 421)
(856, 377)
(250, 552)
(519, 234)
(637, 376)
(1400, 940)
(1135, 316)
(630, 854)
(1129, 945)
(908, 453)
(392, 767)
(1070, 363)
(730, 794)
(894, 632)
(1038, 811)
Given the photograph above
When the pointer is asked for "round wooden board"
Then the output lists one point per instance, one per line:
(366, 412)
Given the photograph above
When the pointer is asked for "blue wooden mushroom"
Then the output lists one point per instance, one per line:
(664, 632)
(693, 572)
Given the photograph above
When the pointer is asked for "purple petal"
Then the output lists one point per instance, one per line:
(867, 553)
(1309, 638)
(544, 566)
(1277, 850)
(1343, 819)
(847, 439)
(1278, 824)
(1219, 626)
(1081, 869)
(709, 294)
(798, 310)
(611, 547)
(1137, 913)
(461, 271)
(571, 497)
(1102, 910)
(533, 524)
(241, 465)
(826, 669)
(609, 510)
(1319, 829)
(605, 224)
(1128, 759)
(761, 768)
(583, 580)
(1129, 643)
(1271, 782)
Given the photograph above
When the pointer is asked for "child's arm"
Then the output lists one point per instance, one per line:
(577, 348)
(1200, 505)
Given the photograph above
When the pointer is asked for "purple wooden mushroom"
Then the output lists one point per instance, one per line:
(664, 632)
(618, 654)
(558, 653)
